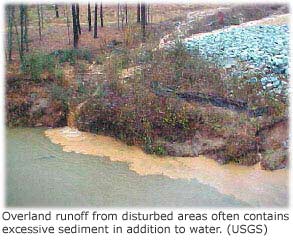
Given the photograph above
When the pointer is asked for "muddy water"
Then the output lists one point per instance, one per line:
(249, 184)
(90, 170)
(40, 173)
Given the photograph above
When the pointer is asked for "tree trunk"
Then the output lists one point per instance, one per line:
(126, 14)
(74, 26)
(21, 17)
(149, 15)
(89, 16)
(143, 21)
(146, 14)
(26, 28)
(10, 10)
(17, 39)
(67, 22)
(56, 11)
(77, 18)
(42, 16)
(122, 16)
(101, 15)
(96, 22)
(39, 22)
(138, 12)
(118, 15)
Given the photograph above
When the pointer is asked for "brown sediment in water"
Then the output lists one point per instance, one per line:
(249, 184)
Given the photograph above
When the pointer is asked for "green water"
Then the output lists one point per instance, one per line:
(39, 173)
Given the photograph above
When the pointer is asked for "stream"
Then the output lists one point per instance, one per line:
(65, 167)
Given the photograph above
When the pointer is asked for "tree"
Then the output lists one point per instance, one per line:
(126, 14)
(21, 18)
(25, 37)
(42, 15)
(148, 14)
(77, 18)
(89, 16)
(39, 22)
(101, 15)
(18, 40)
(118, 15)
(67, 22)
(56, 11)
(10, 13)
(96, 22)
(143, 20)
(138, 12)
(74, 26)
(122, 15)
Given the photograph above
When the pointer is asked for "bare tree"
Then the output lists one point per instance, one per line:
(39, 22)
(89, 16)
(126, 14)
(118, 15)
(42, 15)
(77, 18)
(138, 12)
(148, 14)
(101, 15)
(143, 20)
(96, 22)
(122, 16)
(74, 26)
(17, 39)
(56, 11)
(10, 13)
(26, 28)
(67, 22)
(22, 19)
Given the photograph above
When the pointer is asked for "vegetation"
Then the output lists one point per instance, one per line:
(116, 81)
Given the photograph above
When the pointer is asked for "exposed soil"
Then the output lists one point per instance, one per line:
(41, 104)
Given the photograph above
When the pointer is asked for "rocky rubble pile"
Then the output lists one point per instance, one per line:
(254, 53)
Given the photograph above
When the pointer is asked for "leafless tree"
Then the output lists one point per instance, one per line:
(96, 22)
(101, 15)
(89, 16)
(74, 26)
(39, 22)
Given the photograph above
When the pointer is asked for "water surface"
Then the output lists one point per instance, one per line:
(41, 173)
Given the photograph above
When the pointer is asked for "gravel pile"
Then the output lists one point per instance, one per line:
(254, 53)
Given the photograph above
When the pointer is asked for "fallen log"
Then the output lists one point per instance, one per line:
(237, 105)
(232, 104)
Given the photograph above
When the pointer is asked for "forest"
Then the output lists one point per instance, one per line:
(177, 80)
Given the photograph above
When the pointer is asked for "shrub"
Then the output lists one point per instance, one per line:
(81, 67)
(37, 63)
(71, 55)
(58, 73)
(85, 54)
(179, 68)
(145, 56)
(100, 59)
(60, 93)
(159, 150)
(121, 58)
(66, 55)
